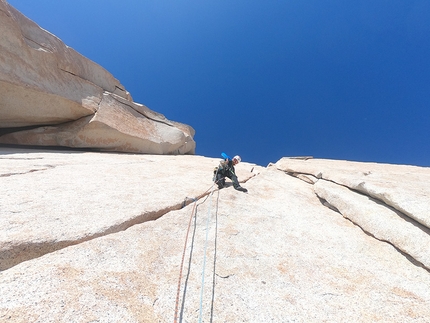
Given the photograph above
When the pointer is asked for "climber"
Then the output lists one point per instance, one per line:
(226, 169)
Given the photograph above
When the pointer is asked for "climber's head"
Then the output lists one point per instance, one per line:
(236, 160)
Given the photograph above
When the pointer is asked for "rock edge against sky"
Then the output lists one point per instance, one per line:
(53, 96)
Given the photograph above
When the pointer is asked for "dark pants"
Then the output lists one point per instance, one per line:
(220, 179)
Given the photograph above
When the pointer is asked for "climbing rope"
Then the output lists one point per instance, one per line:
(182, 263)
(204, 256)
(183, 253)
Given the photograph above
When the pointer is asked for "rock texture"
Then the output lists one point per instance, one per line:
(112, 229)
(52, 200)
(405, 188)
(64, 99)
(395, 206)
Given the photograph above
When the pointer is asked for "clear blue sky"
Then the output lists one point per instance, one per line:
(270, 78)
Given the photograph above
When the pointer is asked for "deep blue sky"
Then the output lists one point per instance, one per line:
(270, 78)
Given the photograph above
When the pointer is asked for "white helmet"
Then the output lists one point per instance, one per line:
(237, 158)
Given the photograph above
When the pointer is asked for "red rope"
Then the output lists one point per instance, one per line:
(182, 265)
(183, 255)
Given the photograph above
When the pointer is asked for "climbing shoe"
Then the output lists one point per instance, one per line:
(242, 189)
(221, 183)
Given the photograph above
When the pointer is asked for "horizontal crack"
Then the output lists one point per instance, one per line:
(227, 276)
(18, 158)
(24, 173)
(25, 251)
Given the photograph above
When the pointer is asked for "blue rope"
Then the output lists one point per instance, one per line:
(204, 258)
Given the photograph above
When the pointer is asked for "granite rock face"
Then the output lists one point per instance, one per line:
(391, 202)
(405, 188)
(50, 95)
(53, 200)
(103, 237)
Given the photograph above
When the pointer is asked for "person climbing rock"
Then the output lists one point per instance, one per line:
(226, 169)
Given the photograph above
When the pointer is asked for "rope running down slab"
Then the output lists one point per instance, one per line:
(204, 257)
(183, 256)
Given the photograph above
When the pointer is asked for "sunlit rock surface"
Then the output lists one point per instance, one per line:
(111, 230)
(50, 95)
(54, 199)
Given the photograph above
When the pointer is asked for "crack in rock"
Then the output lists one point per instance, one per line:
(328, 205)
(227, 276)
(30, 42)
(18, 158)
(25, 251)
(27, 172)
(378, 220)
